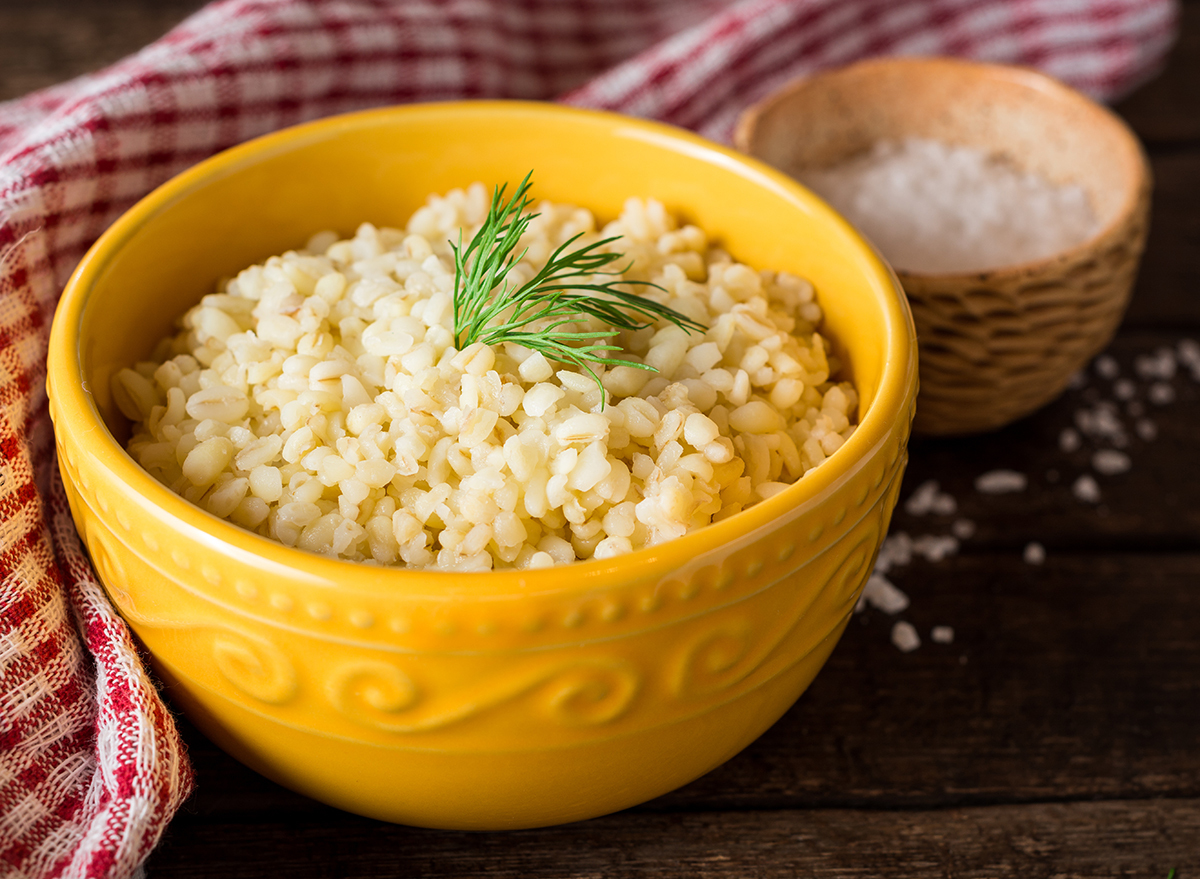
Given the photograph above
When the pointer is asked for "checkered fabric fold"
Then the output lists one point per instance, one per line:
(91, 765)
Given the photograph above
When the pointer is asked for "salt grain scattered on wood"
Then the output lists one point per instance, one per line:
(1107, 366)
(905, 637)
(895, 552)
(1124, 389)
(1000, 482)
(1146, 429)
(942, 634)
(1101, 422)
(1086, 489)
(881, 594)
(1034, 553)
(1110, 462)
(935, 547)
(1161, 364)
(1161, 394)
(929, 498)
(1069, 440)
(1188, 351)
(963, 529)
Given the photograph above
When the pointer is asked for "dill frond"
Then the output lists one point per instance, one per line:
(488, 309)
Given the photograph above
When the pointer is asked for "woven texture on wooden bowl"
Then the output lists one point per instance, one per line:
(997, 344)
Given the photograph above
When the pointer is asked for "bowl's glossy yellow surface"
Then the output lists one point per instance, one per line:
(506, 699)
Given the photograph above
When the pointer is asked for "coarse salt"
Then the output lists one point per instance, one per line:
(935, 547)
(1161, 394)
(905, 637)
(1098, 423)
(929, 498)
(1161, 364)
(1124, 389)
(881, 594)
(1000, 482)
(942, 634)
(1110, 462)
(1107, 366)
(1188, 351)
(896, 551)
(977, 211)
(1086, 489)
(1101, 422)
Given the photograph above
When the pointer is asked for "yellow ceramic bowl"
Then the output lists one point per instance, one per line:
(504, 699)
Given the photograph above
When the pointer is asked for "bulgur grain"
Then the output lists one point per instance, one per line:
(317, 399)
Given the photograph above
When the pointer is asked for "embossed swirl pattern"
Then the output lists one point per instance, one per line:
(735, 650)
(379, 694)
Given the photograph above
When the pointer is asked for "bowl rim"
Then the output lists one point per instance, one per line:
(80, 415)
(1015, 74)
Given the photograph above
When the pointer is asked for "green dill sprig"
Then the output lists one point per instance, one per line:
(488, 309)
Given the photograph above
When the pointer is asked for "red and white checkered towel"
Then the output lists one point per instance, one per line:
(91, 766)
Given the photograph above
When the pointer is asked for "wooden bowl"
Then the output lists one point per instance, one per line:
(996, 344)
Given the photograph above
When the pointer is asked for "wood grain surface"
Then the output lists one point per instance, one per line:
(1057, 736)
(1106, 839)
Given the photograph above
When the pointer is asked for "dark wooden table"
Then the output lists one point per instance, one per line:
(1058, 735)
